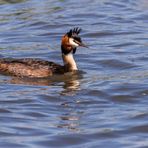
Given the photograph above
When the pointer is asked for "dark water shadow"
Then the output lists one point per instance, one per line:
(12, 1)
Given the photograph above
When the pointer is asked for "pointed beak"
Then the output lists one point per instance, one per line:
(83, 45)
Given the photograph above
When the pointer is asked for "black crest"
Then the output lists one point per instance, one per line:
(74, 32)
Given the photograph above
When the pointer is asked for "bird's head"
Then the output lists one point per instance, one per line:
(71, 40)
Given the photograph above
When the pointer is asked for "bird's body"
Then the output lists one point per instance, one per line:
(29, 67)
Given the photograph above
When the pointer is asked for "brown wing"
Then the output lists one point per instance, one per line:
(28, 67)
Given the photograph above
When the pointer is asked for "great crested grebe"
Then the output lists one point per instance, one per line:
(38, 68)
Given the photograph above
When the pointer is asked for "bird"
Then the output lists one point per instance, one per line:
(39, 68)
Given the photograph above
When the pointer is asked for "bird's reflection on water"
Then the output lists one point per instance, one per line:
(68, 107)
(68, 113)
(70, 82)
(70, 121)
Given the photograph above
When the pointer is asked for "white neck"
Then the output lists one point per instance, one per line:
(69, 62)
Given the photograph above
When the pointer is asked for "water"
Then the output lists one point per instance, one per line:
(106, 105)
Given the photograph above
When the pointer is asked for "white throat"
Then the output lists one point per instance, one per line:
(69, 62)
